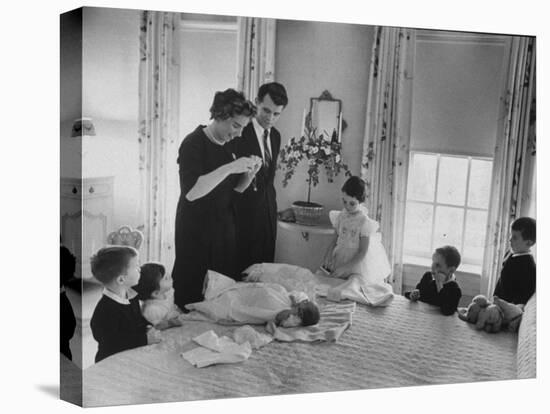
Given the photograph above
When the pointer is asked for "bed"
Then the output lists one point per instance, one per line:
(403, 344)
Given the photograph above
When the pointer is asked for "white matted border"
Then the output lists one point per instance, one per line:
(30, 206)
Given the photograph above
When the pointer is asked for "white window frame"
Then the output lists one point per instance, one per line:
(424, 259)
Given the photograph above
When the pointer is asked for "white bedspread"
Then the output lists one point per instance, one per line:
(402, 344)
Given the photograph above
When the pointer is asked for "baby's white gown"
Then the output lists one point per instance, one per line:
(375, 267)
(243, 303)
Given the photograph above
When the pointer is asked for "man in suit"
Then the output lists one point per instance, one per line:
(256, 208)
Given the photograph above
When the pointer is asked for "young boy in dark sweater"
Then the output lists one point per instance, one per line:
(117, 323)
(518, 277)
(439, 287)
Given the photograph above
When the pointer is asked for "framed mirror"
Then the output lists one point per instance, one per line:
(325, 116)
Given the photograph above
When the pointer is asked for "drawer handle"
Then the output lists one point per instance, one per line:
(91, 190)
(74, 190)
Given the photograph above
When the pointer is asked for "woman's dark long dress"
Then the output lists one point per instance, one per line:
(205, 228)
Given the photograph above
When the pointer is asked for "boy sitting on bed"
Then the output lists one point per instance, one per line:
(439, 286)
(227, 301)
(518, 277)
(117, 323)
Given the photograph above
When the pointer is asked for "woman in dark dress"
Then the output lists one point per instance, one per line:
(209, 175)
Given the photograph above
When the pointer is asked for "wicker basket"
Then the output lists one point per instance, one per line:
(307, 213)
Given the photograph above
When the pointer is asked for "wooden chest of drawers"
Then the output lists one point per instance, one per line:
(86, 213)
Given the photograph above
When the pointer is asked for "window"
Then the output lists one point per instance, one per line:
(447, 203)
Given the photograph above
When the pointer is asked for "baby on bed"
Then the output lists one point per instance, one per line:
(227, 301)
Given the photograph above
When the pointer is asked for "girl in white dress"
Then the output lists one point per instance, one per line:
(356, 252)
(157, 295)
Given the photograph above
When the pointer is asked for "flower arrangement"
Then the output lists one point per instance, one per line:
(318, 151)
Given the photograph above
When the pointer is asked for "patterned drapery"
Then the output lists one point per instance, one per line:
(158, 127)
(256, 54)
(514, 162)
(385, 160)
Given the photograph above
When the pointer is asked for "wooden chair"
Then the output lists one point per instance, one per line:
(126, 236)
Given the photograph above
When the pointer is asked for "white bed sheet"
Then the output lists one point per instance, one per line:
(403, 344)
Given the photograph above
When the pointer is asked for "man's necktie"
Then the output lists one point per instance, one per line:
(267, 153)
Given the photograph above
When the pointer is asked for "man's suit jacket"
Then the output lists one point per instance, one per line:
(256, 207)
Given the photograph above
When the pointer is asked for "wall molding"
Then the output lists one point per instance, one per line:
(208, 26)
(441, 36)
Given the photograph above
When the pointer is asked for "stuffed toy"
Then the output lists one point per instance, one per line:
(511, 314)
(470, 314)
(492, 317)
(489, 319)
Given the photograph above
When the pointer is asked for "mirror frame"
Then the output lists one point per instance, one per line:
(326, 96)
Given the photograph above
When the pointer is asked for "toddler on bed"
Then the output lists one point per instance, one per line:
(156, 291)
(117, 323)
(518, 277)
(439, 286)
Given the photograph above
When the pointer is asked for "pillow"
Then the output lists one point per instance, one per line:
(527, 341)
(289, 276)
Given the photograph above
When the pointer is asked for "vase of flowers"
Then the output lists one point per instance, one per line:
(319, 152)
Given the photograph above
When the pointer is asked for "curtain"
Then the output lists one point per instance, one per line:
(256, 54)
(514, 162)
(387, 136)
(158, 128)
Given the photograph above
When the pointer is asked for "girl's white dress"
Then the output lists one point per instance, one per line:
(157, 310)
(375, 267)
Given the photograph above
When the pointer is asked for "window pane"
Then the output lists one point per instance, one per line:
(448, 226)
(474, 237)
(451, 188)
(418, 229)
(421, 183)
(480, 183)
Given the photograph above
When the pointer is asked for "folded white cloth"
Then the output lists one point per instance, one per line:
(248, 334)
(215, 350)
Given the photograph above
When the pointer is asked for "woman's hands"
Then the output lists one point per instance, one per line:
(250, 165)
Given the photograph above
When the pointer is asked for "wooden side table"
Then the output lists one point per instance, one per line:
(86, 214)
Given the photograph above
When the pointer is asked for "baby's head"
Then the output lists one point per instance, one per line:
(353, 193)
(446, 260)
(523, 234)
(304, 313)
(153, 281)
(116, 265)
